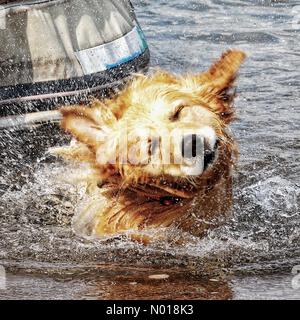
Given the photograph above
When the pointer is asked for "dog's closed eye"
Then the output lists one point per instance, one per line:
(175, 115)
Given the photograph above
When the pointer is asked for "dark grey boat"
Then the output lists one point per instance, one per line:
(63, 51)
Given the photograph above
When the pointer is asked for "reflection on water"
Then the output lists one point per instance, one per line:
(261, 238)
(113, 282)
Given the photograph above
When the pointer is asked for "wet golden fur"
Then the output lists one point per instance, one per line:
(128, 196)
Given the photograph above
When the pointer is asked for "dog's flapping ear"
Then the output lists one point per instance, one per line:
(88, 125)
(216, 84)
(223, 72)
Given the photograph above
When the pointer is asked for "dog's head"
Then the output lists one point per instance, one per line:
(163, 134)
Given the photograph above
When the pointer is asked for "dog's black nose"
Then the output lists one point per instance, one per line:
(209, 154)
(191, 146)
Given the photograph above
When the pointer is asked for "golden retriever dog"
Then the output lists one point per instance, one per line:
(160, 153)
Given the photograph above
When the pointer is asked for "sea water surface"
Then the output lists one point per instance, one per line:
(252, 256)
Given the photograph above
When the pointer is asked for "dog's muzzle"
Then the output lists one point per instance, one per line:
(198, 152)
